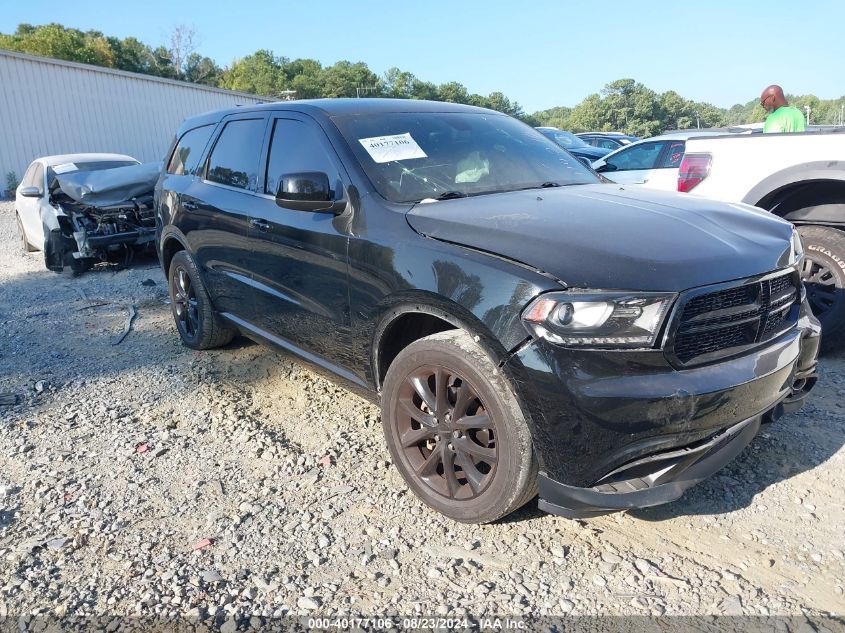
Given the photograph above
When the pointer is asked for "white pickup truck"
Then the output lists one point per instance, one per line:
(799, 177)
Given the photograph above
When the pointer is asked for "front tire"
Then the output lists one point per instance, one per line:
(199, 326)
(823, 274)
(25, 245)
(455, 429)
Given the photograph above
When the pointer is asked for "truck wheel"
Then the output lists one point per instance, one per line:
(25, 245)
(199, 326)
(455, 429)
(824, 277)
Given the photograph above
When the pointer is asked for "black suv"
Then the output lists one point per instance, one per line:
(523, 325)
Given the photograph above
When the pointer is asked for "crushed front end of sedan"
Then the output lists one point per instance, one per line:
(103, 215)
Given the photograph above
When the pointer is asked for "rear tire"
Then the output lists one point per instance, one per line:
(824, 277)
(25, 245)
(456, 431)
(199, 325)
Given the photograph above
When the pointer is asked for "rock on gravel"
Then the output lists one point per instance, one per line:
(237, 441)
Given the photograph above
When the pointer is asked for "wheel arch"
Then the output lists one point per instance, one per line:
(171, 243)
(789, 189)
(413, 318)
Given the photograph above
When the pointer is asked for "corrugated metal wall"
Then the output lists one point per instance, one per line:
(55, 107)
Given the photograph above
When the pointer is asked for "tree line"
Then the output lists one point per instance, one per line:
(624, 105)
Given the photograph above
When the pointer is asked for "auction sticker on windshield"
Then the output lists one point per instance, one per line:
(383, 149)
(64, 168)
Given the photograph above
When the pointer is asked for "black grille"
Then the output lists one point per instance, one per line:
(719, 323)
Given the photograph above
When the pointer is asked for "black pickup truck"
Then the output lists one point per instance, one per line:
(525, 326)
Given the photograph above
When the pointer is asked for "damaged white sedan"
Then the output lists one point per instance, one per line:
(80, 209)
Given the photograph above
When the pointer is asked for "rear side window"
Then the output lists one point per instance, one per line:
(234, 159)
(29, 176)
(674, 154)
(642, 156)
(297, 147)
(38, 176)
(188, 151)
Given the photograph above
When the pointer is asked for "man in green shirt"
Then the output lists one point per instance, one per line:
(782, 116)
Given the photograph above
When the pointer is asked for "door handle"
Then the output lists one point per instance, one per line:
(190, 206)
(261, 225)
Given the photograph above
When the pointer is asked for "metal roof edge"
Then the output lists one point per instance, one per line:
(126, 73)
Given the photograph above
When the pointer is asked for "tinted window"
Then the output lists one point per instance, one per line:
(643, 156)
(188, 151)
(234, 159)
(297, 147)
(414, 156)
(674, 154)
(606, 143)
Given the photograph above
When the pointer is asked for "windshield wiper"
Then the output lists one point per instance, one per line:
(546, 185)
(449, 195)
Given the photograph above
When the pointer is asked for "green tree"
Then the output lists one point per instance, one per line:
(452, 92)
(498, 101)
(345, 79)
(54, 40)
(132, 55)
(398, 84)
(201, 70)
(260, 73)
(304, 77)
(424, 90)
(558, 117)
(589, 116)
(162, 63)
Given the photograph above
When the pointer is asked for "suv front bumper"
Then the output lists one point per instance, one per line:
(620, 430)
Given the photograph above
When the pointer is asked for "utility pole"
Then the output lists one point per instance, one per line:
(807, 110)
(697, 120)
(842, 115)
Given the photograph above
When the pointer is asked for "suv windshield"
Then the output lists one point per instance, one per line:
(414, 156)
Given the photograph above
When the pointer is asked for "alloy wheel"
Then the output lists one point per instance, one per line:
(446, 434)
(185, 303)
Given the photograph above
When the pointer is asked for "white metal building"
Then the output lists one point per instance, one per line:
(49, 106)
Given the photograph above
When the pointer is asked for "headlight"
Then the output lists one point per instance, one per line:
(585, 318)
(797, 248)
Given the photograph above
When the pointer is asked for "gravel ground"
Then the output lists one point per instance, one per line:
(145, 478)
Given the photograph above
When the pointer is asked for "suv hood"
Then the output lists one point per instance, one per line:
(608, 237)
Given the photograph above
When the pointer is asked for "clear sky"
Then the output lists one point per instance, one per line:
(541, 54)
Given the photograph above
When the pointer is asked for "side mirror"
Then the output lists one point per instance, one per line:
(31, 192)
(308, 191)
(605, 167)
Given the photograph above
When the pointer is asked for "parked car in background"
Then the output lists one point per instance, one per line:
(573, 144)
(607, 140)
(799, 177)
(83, 208)
(524, 325)
(651, 162)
